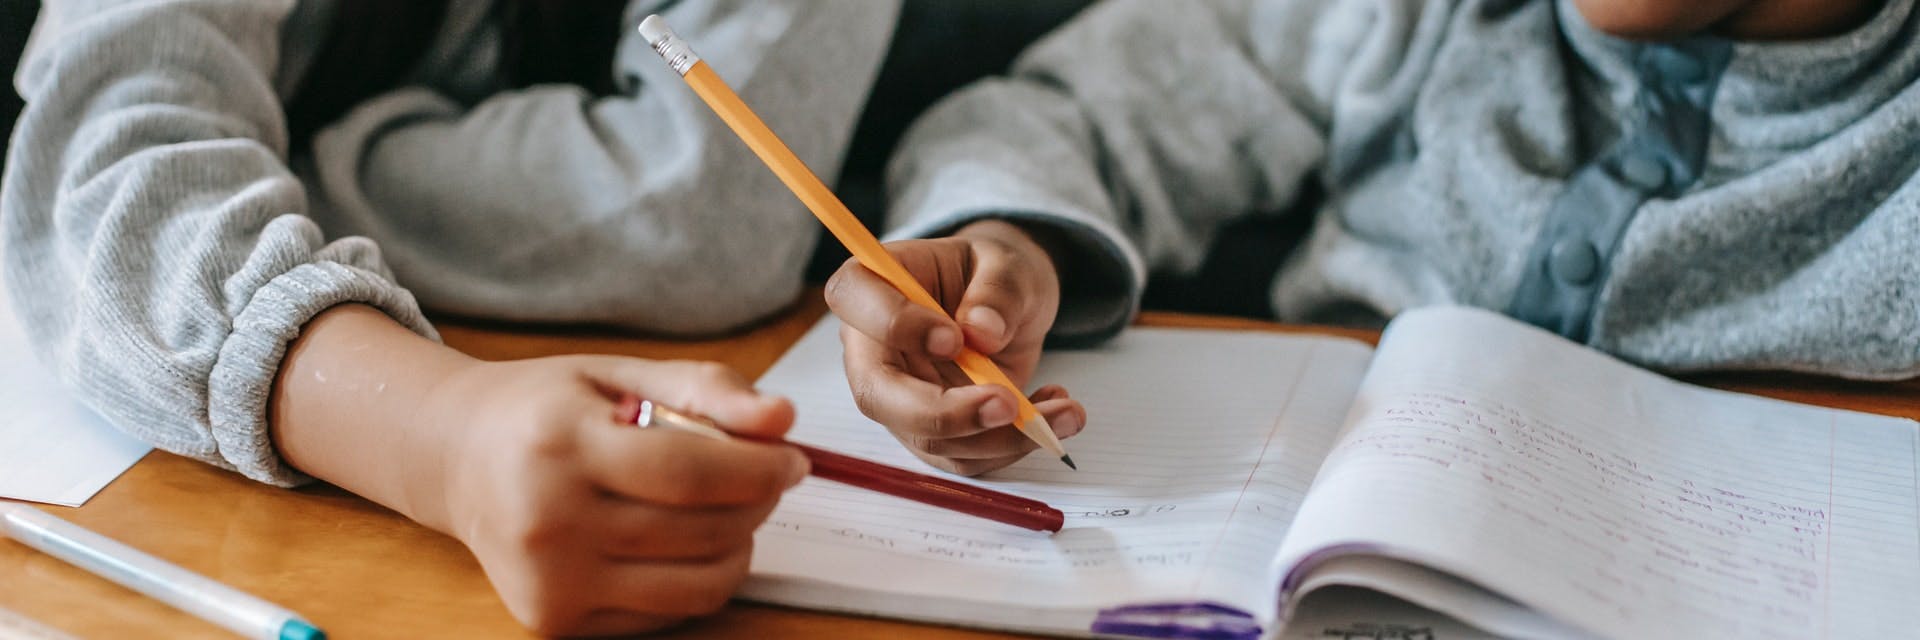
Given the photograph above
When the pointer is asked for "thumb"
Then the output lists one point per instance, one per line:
(1011, 288)
(993, 311)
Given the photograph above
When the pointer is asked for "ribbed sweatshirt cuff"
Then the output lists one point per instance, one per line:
(241, 383)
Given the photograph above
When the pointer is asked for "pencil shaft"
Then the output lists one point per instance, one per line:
(787, 166)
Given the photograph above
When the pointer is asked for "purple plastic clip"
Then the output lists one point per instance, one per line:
(1179, 620)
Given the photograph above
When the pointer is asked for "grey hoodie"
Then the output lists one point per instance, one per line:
(1697, 204)
(163, 249)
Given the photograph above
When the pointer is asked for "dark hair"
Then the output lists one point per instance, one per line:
(560, 41)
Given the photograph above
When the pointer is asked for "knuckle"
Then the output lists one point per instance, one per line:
(544, 624)
(538, 535)
(767, 484)
(1013, 286)
(930, 424)
(550, 621)
(995, 248)
(774, 480)
(713, 372)
(714, 537)
(710, 593)
(550, 439)
(680, 482)
(901, 329)
(707, 601)
(957, 419)
(696, 488)
(973, 467)
(695, 545)
(919, 444)
(836, 288)
(1000, 286)
(948, 465)
(952, 245)
(544, 430)
(545, 611)
(640, 543)
(866, 395)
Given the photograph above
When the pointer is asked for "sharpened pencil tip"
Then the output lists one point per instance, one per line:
(1069, 460)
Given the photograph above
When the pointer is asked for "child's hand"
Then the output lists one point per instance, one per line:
(587, 526)
(1003, 288)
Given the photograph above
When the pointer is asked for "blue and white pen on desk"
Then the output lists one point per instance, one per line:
(185, 590)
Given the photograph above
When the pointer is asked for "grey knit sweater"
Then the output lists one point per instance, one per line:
(1697, 204)
(162, 248)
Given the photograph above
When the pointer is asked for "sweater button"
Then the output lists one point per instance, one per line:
(1573, 261)
(1645, 172)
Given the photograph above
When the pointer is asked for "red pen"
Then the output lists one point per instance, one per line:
(866, 474)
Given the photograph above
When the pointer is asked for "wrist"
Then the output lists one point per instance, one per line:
(350, 408)
(435, 446)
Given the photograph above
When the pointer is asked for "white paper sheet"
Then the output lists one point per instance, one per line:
(1199, 447)
(52, 449)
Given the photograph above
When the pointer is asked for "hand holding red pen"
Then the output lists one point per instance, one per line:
(866, 474)
(589, 527)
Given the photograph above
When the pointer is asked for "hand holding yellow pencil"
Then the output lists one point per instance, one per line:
(832, 212)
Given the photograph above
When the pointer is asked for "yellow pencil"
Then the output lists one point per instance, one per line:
(831, 212)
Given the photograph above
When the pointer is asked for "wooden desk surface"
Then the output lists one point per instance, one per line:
(360, 571)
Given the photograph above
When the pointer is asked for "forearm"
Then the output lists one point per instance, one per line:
(351, 406)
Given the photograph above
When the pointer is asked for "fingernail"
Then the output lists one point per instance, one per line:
(1068, 425)
(988, 322)
(942, 341)
(800, 468)
(995, 413)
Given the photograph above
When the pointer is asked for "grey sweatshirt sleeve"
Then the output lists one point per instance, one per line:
(154, 244)
(640, 209)
(1140, 128)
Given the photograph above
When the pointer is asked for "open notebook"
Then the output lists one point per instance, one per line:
(1234, 482)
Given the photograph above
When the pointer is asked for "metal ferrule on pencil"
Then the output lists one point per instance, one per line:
(679, 56)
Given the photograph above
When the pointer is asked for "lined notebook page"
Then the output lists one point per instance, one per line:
(1619, 501)
(1199, 447)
